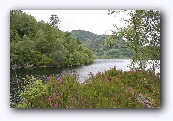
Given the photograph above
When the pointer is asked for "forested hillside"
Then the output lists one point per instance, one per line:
(101, 46)
(38, 44)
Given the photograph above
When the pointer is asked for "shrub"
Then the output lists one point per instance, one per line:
(112, 89)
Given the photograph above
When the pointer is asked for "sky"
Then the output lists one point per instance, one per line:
(96, 21)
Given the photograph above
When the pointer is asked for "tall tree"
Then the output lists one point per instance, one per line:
(54, 21)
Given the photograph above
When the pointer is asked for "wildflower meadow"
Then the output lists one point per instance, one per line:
(111, 89)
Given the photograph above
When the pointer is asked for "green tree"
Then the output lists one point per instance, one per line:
(142, 31)
(54, 21)
(23, 23)
(59, 54)
(42, 44)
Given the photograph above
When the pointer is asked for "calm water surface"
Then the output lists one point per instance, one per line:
(101, 65)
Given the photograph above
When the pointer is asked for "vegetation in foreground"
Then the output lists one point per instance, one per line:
(112, 89)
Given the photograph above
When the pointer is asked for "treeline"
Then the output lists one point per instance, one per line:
(103, 46)
(38, 44)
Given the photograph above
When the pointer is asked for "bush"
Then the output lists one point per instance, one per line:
(112, 89)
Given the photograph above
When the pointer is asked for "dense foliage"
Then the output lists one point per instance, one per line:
(112, 89)
(97, 44)
(36, 44)
(142, 35)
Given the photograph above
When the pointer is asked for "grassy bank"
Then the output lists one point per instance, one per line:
(112, 89)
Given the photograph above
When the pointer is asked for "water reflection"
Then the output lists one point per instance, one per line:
(101, 65)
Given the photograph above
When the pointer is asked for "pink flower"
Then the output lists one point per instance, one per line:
(59, 79)
(49, 98)
(48, 77)
(69, 96)
(67, 106)
(55, 104)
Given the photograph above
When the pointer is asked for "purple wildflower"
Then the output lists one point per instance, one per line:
(49, 98)
(48, 77)
(67, 106)
(55, 104)
(59, 79)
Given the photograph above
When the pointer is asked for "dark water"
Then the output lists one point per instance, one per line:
(100, 65)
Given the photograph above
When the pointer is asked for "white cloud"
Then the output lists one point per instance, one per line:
(96, 21)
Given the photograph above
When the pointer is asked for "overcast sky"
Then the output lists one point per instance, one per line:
(96, 21)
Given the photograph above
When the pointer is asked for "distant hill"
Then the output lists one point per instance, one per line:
(97, 44)
(87, 37)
